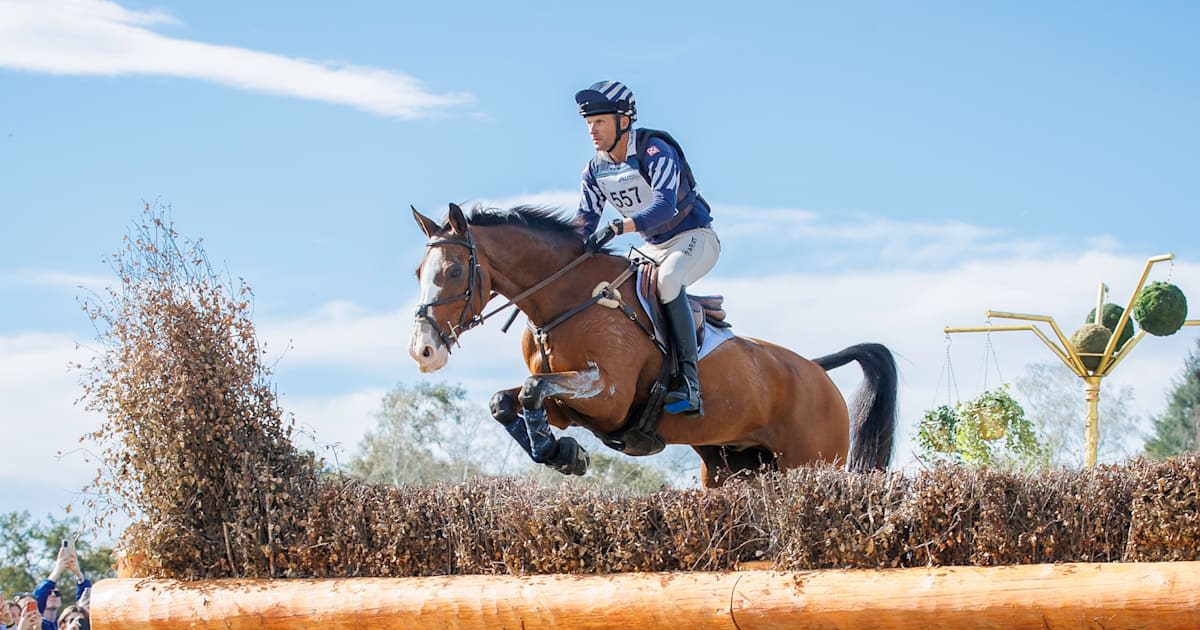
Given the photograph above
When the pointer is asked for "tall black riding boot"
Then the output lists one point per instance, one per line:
(684, 399)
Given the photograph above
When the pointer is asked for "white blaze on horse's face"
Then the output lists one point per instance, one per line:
(424, 346)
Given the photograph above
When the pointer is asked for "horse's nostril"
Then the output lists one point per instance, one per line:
(427, 352)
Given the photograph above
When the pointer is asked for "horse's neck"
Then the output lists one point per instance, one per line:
(520, 264)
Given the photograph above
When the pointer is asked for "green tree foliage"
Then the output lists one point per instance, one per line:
(1178, 429)
(29, 548)
(1055, 404)
(424, 433)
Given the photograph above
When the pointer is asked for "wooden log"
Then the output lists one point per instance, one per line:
(1100, 595)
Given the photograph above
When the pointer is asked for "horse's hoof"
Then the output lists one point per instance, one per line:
(571, 458)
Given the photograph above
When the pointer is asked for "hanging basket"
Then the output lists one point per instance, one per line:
(992, 413)
(993, 424)
(937, 429)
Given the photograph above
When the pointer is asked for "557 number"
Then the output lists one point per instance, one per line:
(622, 198)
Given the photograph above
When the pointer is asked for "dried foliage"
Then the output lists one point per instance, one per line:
(805, 519)
(193, 439)
(809, 518)
(196, 443)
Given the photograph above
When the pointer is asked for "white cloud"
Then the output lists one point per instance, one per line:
(40, 417)
(333, 426)
(95, 37)
(54, 279)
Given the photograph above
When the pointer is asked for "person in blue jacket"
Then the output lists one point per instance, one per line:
(645, 177)
(49, 599)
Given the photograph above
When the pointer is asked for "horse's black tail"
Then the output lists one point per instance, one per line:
(874, 410)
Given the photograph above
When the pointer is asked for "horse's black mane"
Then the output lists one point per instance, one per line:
(541, 218)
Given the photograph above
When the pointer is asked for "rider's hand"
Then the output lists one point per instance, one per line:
(606, 233)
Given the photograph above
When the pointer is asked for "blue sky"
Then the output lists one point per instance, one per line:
(877, 170)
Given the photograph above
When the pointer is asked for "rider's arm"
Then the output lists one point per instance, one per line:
(662, 169)
(591, 204)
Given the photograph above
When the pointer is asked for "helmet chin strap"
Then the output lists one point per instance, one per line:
(621, 131)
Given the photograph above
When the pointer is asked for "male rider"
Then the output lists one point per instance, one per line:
(651, 187)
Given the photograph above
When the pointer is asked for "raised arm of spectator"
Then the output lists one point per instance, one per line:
(82, 584)
(46, 586)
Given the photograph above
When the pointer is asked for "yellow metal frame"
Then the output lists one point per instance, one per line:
(1073, 360)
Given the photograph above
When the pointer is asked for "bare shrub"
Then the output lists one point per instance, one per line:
(193, 439)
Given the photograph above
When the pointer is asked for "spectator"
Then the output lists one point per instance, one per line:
(49, 599)
(17, 605)
(30, 618)
(8, 616)
(74, 617)
(19, 600)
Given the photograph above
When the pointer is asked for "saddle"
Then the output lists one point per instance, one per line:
(705, 308)
(639, 434)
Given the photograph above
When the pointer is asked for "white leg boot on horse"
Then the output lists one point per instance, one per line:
(684, 399)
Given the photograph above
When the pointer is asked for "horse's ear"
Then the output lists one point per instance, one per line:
(428, 226)
(458, 220)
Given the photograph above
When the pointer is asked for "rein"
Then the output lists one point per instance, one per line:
(537, 287)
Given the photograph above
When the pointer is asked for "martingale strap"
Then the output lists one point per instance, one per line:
(605, 294)
(639, 434)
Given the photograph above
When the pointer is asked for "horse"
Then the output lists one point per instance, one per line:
(765, 406)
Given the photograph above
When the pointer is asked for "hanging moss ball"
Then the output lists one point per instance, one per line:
(1090, 339)
(1160, 308)
(1112, 315)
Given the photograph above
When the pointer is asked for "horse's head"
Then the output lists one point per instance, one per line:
(454, 289)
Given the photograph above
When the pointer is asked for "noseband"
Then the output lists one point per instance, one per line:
(449, 336)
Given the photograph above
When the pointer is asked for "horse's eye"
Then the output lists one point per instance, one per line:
(454, 272)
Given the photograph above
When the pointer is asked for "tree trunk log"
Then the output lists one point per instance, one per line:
(1100, 595)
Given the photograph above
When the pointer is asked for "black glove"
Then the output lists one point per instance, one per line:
(606, 233)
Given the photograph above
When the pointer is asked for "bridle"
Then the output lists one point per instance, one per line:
(449, 336)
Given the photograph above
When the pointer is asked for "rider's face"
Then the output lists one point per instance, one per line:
(603, 130)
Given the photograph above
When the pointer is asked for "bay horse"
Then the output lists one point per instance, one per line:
(764, 405)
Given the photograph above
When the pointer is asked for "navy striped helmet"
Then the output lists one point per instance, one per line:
(607, 97)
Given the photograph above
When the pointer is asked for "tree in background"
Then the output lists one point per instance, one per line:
(431, 432)
(424, 433)
(1178, 429)
(28, 550)
(1055, 404)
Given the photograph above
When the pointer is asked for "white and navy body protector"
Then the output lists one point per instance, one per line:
(654, 186)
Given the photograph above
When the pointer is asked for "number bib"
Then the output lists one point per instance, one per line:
(624, 187)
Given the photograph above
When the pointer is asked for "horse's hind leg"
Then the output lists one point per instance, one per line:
(719, 464)
(563, 454)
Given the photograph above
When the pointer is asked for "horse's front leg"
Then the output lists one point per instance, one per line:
(506, 410)
(565, 454)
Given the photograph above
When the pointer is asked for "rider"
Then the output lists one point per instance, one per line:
(656, 198)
